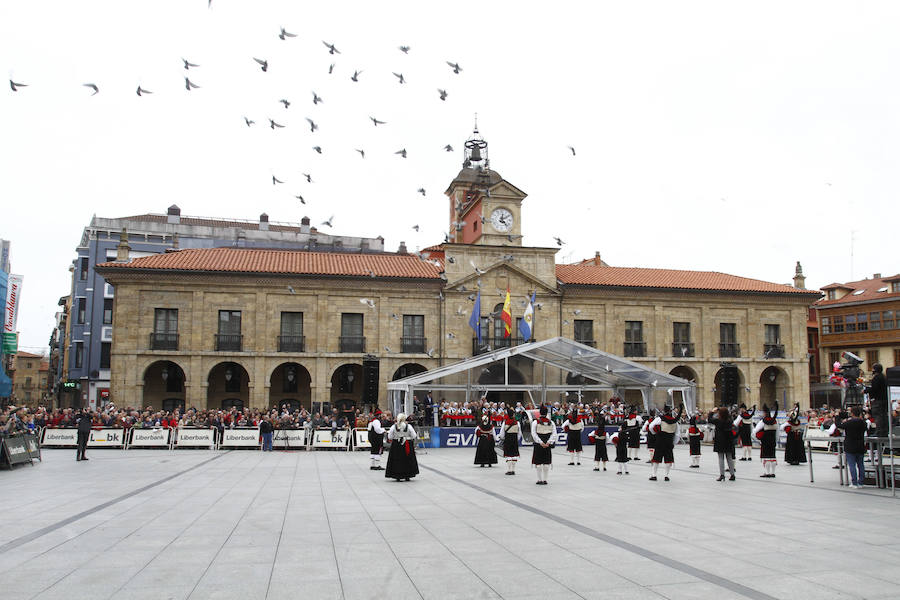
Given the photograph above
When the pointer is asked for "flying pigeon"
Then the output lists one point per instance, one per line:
(249, 122)
(300, 198)
(355, 76)
(264, 64)
(276, 180)
(376, 122)
(510, 237)
(573, 150)
(559, 242)
(362, 153)
(577, 311)
(331, 48)
(430, 353)
(308, 177)
(330, 68)
(477, 270)
(368, 302)
(273, 124)
(401, 152)
(286, 102)
(284, 34)
(312, 124)
(421, 191)
(455, 66)
(388, 349)
(448, 148)
(188, 64)
(404, 49)
(327, 223)
(316, 98)
(318, 149)
(450, 335)
(400, 77)
(188, 84)
(291, 290)
(443, 94)
(93, 86)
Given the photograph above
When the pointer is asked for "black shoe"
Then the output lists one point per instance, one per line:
(371, 468)
(627, 473)
(695, 466)
(764, 475)
(836, 467)
(537, 483)
(407, 478)
(596, 468)
(379, 468)
(648, 461)
(772, 475)
(721, 478)
(618, 472)
(604, 468)
(742, 459)
(653, 478)
(731, 478)
(665, 478)
(482, 466)
(571, 464)
(84, 458)
(490, 466)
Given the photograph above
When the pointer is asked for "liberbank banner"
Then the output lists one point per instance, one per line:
(11, 313)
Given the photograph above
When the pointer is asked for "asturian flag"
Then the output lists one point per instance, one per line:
(526, 325)
(506, 316)
(475, 319)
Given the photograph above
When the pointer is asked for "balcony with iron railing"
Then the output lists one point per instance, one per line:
(683, 349)
(229, 342)
(773, 350)
(638, 349)
(352, 343)
(413, 345)
(163, 341)
(292, 343)
(729, 350)
(493, 343)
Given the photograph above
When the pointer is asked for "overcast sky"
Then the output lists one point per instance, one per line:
(730, 136)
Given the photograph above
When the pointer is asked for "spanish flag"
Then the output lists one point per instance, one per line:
(506, 316)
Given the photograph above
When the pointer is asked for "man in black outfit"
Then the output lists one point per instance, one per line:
(877, 391)
(84, 432)
(854, 444)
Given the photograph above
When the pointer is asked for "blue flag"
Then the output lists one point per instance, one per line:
(526, 325)
(475, 319)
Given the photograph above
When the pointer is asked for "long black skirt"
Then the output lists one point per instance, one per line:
(511, 445)
(794, 453)
(541, 455)
(651, 440)
(767, 444)
(573, 441)
(694, 443)
(485, 453)
(622, 451)
(744, 432)
(401, 465)
(600, 453)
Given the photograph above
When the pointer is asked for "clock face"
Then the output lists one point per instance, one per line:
(502, 220)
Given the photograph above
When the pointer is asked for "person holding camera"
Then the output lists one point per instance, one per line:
(84, 423)
(877, 392)
(723, 440)
(854, 430)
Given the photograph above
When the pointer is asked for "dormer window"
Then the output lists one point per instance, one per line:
(895, 286)
(859, 292)
(832, 294)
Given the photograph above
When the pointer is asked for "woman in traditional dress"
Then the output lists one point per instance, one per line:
(542, 432)
(402, 463)
(793, 446)
(485, 454)
(620, 440)
(744, 424)
(573, 427)
(598, 438)
(766, 432)
(695, 436)
(510, 435)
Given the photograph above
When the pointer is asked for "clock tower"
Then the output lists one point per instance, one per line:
(484, 208)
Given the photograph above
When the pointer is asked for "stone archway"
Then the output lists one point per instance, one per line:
(290, 384)
(407, 370)
(163, 383)
(228, 382)
(773, 386)
(729, 386)
(684, 372)
(346, 389)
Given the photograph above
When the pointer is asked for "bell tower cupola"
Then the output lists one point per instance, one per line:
(484, 208)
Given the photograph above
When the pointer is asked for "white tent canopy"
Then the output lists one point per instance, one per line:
(611, 372)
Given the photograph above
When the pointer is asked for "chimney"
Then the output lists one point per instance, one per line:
(876, 276)
(402, 248)
(799, 278)
(304, 225)
(264, 222)
(123, 249)
(173, 214)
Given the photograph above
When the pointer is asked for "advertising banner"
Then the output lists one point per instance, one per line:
(150, 438)
(11, 313)
(289, 439)
(60, 437)
(34, 448)
(106, 438)
(195, 438)
(361, 439)
(323, 438)
(15, 451)
(242, 438)
(464, 437)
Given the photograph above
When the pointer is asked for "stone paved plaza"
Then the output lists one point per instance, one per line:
(245, 525)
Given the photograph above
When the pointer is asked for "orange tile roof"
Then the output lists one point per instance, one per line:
(670, 279)
(287, 262)
(862, 291)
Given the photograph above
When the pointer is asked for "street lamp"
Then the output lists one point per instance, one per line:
(228, 374)
(165, 374)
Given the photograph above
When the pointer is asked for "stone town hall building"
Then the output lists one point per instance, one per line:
(260, 327)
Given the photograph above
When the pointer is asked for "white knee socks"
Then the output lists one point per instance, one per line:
(653, 468)
(578, 457)
(695, 460)
(666, 468)
(748, 452)
(511, 466)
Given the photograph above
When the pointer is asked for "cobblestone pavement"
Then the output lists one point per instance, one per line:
(245, 525)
